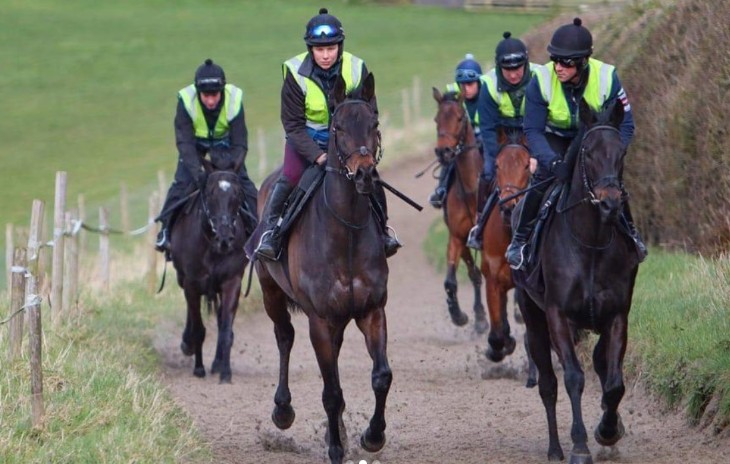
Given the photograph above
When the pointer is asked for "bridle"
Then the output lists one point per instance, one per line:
(343, 155)
(206, 209)
(461, 146)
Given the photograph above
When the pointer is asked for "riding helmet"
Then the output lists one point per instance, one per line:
(209, 77)
(571, 41)
(468, 70)
(510, 53)
(324, 29)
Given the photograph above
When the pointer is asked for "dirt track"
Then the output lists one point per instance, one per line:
(447, 404)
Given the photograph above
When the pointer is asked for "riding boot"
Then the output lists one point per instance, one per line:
(166, 218)
(633, 232)
(516, 251)
(271, 239)
(390, 243)
(437, 197)
(475, 234)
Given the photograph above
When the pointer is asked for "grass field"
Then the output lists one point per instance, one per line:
(91, 86)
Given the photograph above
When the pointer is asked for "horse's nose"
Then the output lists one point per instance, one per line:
(609, 206)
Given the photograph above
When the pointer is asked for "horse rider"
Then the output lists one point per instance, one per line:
(501, 108)
(309, 79)
(209, 117)
(551, 122)
(467, 75)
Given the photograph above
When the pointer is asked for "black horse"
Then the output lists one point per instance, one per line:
(334, 269)
(207, 252)
(587, 266)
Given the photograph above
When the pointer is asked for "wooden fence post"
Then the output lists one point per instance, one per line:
(33, 308)
(59, 210)
(416, 95)
(161, 186)
(82, 218)
(9, 247)
(104, 248)
(70, 267)
(124, 206)
(17, 301)
(151, 273)
(406, 107)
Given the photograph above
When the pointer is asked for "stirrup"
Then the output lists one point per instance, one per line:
(258, 252)
(162, 245)
(391, 242)
(473, 240)
(437, 198)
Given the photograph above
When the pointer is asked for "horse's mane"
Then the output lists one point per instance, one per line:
(451, 96)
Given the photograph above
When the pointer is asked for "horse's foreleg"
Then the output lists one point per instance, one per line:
(500, 341)
(540, 351)
(275, 305)
(608, 361)
(475, 275)
(374, 327)
(574, 378)
(194, 333)
(230, 292)
(453, 254)
(327, 339)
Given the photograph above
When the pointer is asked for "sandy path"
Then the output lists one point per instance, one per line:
(447, 404)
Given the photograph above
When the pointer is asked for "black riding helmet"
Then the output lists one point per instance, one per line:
(209, 77)
(324, 29)
(510, 53)
(571, 41)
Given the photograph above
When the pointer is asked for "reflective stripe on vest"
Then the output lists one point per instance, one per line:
(315, 102)
(232, 104)
(502, 99)
(454, 87)
(600, 81)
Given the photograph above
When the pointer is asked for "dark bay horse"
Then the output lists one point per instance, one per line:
(207, 252)
(456, 144)
(512, 175)
(334, 269)
(588, 267)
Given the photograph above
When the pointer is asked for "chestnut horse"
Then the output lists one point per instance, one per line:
(207, 252)
(587, 267)
(457, 149)
(512, 175)
(334, 269)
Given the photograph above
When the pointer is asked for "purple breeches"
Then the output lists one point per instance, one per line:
(294, 164)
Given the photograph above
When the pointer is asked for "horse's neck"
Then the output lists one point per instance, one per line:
(343, 199)
(469, 163)
(584, 219)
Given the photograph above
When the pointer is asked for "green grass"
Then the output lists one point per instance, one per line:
(103, 402)
(679, 327)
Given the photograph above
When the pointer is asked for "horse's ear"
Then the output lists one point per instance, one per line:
(585, 113)
(207, 165)
(368, 88)
(617, 113)
(437, 95)
(339, 93)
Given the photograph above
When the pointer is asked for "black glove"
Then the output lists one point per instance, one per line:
(560, 170)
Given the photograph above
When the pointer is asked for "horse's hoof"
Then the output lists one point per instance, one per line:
(493, 355)
(199, 372)
(604, 440)
(186, 349)
(481, 325)
(531, 382)
(226, 378)
(460, 319)
(371, 443)
(510, 346)
(556, 454)
(283, 416)
(581, 458)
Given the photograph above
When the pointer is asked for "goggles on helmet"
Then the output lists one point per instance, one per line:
(512, 60)
(209, 84)
(466, 75)
(323, 31)
(564, 62)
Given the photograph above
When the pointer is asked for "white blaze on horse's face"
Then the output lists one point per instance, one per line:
(224, 185)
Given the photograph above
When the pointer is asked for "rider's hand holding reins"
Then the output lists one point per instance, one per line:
(321, 159)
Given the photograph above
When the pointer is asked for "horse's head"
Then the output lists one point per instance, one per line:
(222, 199)
(355, 137)
(452, 124)
(601, 158)
(513, 172)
